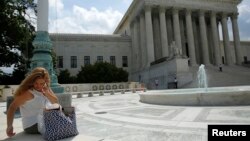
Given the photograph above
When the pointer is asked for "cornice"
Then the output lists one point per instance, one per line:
(131, 13)
(181, 1)
(89, 37)
(216, 5)
(126, 15)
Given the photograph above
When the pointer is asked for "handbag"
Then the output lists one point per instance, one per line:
(59, 123)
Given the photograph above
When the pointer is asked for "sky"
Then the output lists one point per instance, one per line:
(86, 16)
(244, 20)
(103, 16)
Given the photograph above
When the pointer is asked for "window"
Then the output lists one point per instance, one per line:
(60, 62)
(73, 62)
(86, 60)
(124, 61)
(112, 60)
(99, 58)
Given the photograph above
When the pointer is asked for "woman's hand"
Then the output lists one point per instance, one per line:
(45, 89)
(9, 131)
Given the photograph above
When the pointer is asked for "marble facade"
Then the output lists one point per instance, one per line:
(192, 24)
(162, 39)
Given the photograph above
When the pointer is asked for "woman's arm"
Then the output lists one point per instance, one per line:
(50, 94)
(18, 101)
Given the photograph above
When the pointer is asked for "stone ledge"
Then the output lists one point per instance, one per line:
(21, 136)
(191, 97)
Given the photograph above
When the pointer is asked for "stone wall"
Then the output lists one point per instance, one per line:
(81, 45)
(99, 86)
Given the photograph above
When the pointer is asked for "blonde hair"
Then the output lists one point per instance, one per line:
(28, 82)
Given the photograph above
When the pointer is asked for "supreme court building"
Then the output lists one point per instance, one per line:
(159, 40)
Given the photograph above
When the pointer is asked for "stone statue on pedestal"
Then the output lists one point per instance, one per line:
(175, 51)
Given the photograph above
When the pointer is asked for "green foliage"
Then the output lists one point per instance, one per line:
(15, 78)
(16, 32)
(65, 77)
(101, 72)
(6, 86)
(16, 36)
(19, 74)
(122, 76)
(5, 79)
(90, 78)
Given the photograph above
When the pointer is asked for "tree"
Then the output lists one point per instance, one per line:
(122, 76)
(18, 74)
(64, 77)
(87, 75)
(101, 72)
(16, 31)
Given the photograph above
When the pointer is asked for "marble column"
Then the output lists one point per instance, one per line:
(228, 56)
(43, 14)
(176, 24)
(133, 46)
(236, 35)
(221, 49)
(142, 41)
(149, 35)
(137, 43)
(183, 40)
(196, 41)
(163, 30)
(210, 42)
(216, 44)
(169, 30)
(157, 36)
(43, 46)
(203, 34)
(190, 38)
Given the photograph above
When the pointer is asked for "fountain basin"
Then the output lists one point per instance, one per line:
(216, 96)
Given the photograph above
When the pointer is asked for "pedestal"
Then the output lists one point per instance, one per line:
(65, 100)
(42, 58)
(6, 93)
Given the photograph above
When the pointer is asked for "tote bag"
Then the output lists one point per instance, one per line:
(58, 124)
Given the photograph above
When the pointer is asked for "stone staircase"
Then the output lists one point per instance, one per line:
(230, 76)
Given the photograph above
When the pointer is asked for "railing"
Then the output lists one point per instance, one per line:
(101, 92)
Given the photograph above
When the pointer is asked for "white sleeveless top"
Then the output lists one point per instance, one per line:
(32, 108)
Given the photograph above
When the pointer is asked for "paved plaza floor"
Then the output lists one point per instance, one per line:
(122, 117)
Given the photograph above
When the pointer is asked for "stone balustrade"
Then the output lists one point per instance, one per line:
(65, 99)
(86, 89)
(80, 94)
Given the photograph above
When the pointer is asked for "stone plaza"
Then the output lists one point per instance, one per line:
(125, 118)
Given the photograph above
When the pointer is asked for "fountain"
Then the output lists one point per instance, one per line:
(201, 96)
(202, 77)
